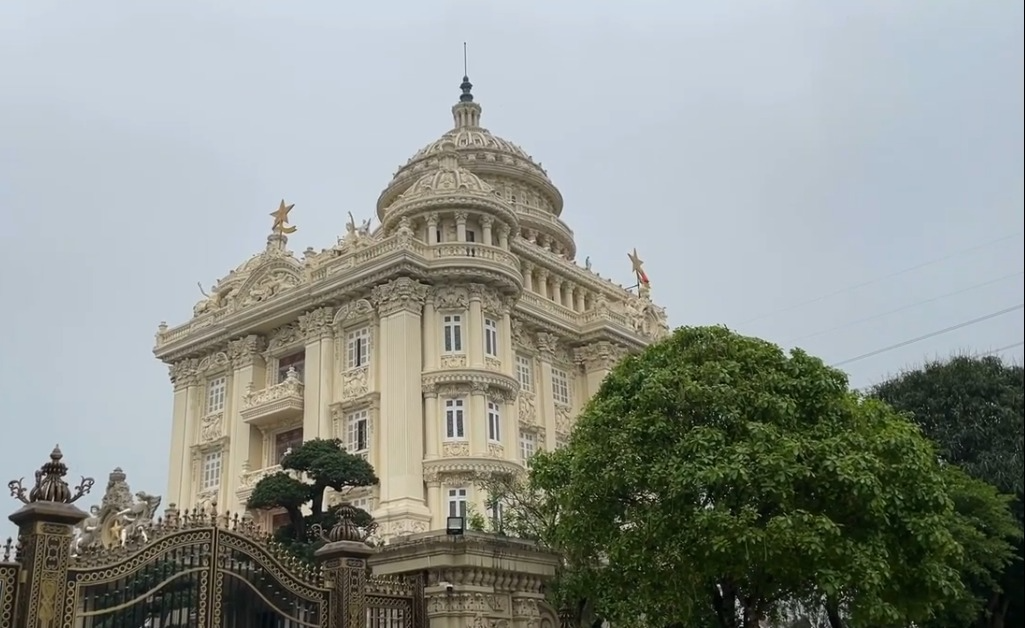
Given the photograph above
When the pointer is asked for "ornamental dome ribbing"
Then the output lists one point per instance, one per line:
(478, 150)
(447, 186)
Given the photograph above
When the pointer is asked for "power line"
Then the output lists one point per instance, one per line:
(883, 278)
(939, 332)
(906, 307)
(1000, 350)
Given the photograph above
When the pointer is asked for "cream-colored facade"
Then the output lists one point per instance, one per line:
(458, 337)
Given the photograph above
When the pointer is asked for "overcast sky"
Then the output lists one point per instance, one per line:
(780, 166)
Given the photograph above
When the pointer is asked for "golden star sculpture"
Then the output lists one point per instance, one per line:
(280, 216)
(638, 268)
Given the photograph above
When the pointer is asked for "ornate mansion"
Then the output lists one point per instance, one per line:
(458, 337)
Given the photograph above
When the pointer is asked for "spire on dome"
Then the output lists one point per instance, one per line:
(466, 112)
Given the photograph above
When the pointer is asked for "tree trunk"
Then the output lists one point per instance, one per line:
(298, 523)
(833, 615)
(724, 603)
(317, 505)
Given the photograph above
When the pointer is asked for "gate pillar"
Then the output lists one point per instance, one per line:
(45, 527)
(343, 562)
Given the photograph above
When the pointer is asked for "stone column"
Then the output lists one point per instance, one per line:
(399, 304)
(542, 282)
(503, 236)
(343, 561)
(461, 226)
(556, 289)
(528, 276)
(45, 527)
(432, 335)
(485, 224)
(432, 429)
(244, 353)
(434, 501)
(476, 420)
(182, 375)
(507, 352)
(432, 228)
(546, 346)
(578, 299)
(475, 331)
(317, 327)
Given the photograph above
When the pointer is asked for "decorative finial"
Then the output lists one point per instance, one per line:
(466, 85)
(638, 268)
(346, 528)
(281, 226)
(50, 485)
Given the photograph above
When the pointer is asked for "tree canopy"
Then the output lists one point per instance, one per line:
(715, 477)
(307, 472)
(974, 410)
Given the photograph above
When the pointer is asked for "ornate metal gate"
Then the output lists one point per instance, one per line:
(196, 574)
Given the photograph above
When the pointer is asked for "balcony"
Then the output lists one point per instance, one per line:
(265, 407)
(459, 255)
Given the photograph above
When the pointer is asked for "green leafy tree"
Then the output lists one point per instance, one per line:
(974, 410)
(716, 476)
(308, 471)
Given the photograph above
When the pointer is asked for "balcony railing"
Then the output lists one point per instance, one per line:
(260, 407)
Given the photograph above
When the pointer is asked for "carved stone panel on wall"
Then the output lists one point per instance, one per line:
(527, 408)
(451, 298)
(455, 449)
(355, 383)
(211, 427)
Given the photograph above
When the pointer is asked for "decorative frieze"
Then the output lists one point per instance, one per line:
(284, 337)
(184, 372)
(455, 449)
(450, 298)
(356, 310)
(213, 364)
(599, 356)
(453, 361)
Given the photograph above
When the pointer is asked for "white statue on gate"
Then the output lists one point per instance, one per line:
(137, 518)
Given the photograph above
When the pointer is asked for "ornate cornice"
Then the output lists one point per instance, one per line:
(467, 469)
(598, 356)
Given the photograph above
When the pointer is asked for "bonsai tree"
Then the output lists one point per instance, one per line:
(308, 471)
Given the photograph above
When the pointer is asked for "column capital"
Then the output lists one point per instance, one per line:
(184, 373)
(400, 295)
(547, 345)
(461, 217)
(317, 324)
(243, 351)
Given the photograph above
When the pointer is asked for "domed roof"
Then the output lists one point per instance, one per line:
(448, 179)
(478, 149)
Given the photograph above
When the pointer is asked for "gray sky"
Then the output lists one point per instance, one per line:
(758, 155)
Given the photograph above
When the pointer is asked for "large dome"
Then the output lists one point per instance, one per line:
(494, 159)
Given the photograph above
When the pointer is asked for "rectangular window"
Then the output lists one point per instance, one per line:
(453, 333)
(455, 426)
(357, 434)
(457, 502)
(525, 373)
(285, 442)
(490, 337)
(358, 344)
(215, 395)
(211, 478)
(438, 233)
(528, 445)
(494, 422)
(471, 236)
(295, 361)
(560, 387)
(363, 503)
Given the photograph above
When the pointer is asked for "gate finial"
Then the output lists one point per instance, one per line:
(50, 485)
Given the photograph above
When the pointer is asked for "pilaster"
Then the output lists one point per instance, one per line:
(317, 328)
(193, 419)
(399, 304)
(244, 354)
(432, 428)
(597, 360)
(546, 346)
(182, 374)
(432, 335)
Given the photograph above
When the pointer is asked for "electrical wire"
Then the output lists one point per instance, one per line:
(883, 278)
(938, 332)
(905, 307)
(1000, 350)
